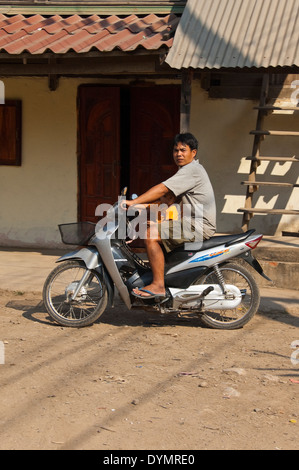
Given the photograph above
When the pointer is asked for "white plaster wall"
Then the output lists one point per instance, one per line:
(41, 193)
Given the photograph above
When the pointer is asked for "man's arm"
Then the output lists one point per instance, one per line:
(149, 196)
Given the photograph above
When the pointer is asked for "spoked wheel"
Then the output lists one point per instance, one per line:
(234, 318)
(90, 300)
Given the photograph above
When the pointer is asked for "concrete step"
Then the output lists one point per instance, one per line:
(279, 257)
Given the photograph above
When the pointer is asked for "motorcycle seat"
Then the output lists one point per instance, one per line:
(217, 240)
(226, 240)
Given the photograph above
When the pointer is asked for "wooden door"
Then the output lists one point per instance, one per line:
(155, 120)
(99, 147)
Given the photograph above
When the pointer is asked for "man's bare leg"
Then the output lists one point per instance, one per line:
(156, 259)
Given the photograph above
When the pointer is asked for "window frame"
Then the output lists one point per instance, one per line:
(15, 133)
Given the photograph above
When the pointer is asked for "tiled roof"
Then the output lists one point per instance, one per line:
(37, 34)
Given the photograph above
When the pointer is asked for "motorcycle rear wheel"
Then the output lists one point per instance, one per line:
(235, 318)
(90, 302)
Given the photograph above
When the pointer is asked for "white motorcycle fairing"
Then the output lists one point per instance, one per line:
(193, 298)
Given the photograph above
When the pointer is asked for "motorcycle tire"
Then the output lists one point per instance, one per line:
(89, 304)
(232, 319)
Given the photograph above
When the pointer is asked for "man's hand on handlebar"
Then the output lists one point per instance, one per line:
(125, 204)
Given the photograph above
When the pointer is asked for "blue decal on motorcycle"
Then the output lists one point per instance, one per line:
(209, 256)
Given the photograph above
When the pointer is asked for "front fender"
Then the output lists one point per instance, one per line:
(92, 260)
(90, 256)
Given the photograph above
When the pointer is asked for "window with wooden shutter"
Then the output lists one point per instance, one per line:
(10, 133)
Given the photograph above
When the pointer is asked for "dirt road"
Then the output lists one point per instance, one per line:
(145, 381)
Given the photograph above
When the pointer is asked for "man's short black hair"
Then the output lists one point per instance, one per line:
(187, 139)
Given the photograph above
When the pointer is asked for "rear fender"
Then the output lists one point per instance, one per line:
(255, 264)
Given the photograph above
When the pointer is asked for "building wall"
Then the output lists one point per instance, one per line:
(43, 192)
(223, 127)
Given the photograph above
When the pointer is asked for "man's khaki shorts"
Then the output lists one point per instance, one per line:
(173, 235)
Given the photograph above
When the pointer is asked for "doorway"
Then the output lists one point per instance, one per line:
(125, 139)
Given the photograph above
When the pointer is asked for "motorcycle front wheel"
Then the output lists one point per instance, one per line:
(234, 318)
(59, 288)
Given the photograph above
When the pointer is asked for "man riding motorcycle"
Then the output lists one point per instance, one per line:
(192, 185)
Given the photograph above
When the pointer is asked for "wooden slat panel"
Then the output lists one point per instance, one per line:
(274, 159)
(155, 121)
(269, 183)
(277, 108)
(269, 211)
(99, 148)
(268, 132)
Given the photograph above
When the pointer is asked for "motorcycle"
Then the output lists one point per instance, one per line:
(210, 282)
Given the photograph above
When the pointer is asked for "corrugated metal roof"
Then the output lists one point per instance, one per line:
(37, 34)
(237, 33)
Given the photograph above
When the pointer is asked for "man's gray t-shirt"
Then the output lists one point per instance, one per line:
(192, 183)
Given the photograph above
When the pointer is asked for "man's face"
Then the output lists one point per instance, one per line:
(182, 154)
